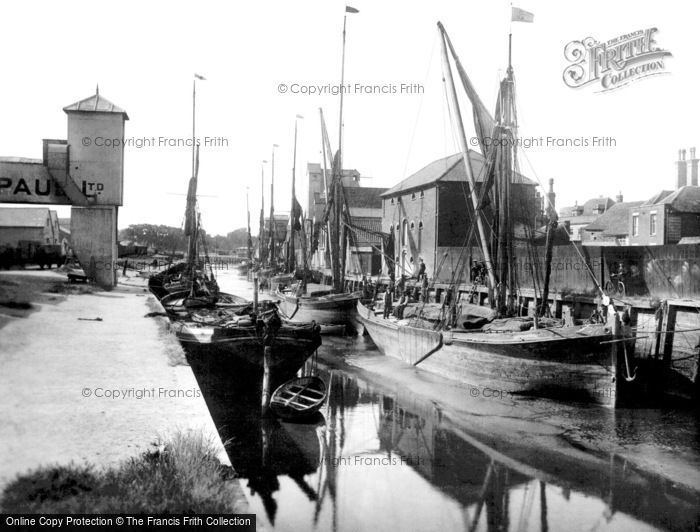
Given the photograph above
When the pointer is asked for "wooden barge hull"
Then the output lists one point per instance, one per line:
(568, 363)
(334, 313)
(240, 350)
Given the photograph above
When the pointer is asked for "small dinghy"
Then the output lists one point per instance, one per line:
(299, 398)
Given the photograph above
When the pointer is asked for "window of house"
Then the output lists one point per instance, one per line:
(420, 225)
(422, 193)
(413, 225)
(392, 201)
(635, 225)
(413, 195)
(652, 224)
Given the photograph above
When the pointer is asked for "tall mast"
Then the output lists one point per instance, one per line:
(261, 231)
(250, 236)
(290, 250)
(467, 163)
(272, 209)
(337, 187)
(507, 127)
(342, 93)
(327, 190)
(194, 106)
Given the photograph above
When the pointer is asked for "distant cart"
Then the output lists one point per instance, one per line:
(31, 252)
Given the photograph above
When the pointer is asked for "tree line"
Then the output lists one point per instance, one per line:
(167, 239)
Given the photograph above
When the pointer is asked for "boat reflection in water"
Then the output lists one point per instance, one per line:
(388, 460)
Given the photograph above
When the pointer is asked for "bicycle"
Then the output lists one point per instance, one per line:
(615, 286)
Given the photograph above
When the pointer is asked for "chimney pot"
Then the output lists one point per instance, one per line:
(619, 198)
(693, 168)
(682, 175)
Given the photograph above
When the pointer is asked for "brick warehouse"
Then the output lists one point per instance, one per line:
(429, 214)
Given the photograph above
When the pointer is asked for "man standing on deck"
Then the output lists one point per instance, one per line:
(425, 289)
(421, 269)
(387, 302)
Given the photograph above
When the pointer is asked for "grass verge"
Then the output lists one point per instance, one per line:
(180, 475)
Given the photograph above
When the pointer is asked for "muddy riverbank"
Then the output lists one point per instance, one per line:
(87, 376)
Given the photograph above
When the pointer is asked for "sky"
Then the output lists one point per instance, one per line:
(143, 55)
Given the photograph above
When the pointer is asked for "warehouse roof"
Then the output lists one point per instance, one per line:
(23, 217)
(449, 168)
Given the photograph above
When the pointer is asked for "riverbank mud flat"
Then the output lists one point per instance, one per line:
(88, 376)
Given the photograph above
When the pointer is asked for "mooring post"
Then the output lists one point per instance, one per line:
(669, 334)
(659, 317)
(267, 360)
(255, 293)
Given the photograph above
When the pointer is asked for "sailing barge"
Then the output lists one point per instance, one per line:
(499, 349)
(580, 363)
(333, 309)
(251, 344)
(249, 340)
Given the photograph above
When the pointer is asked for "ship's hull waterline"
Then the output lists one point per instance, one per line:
(579, 362)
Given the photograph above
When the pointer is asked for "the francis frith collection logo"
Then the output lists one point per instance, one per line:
(614, 63)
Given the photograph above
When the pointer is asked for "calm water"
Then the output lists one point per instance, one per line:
(383, 460)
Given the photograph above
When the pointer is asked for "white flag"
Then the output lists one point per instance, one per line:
(520, 15)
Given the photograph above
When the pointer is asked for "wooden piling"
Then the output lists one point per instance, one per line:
(669, 334)
(255, 293)
(267, 361)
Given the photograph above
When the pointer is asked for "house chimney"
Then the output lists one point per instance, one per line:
(619, 197)
(682, 179)
(551, 198)
(693, 164)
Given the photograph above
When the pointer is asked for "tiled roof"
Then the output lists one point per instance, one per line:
(364, 197)
(588, 208)
(449, 168)
(95, 104)
(614, 222)
(23, 217)
(369, 237)
(658, 197)
(685, 199)
(581, 219)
